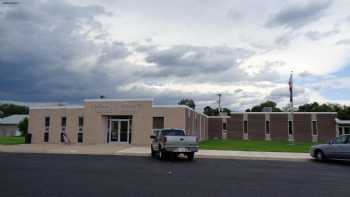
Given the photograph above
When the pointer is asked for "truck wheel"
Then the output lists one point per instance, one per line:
(162, 155)
(190, 156)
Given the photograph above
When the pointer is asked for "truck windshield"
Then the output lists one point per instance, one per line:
(173, 132)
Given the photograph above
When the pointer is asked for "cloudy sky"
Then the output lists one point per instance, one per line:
(65, 51)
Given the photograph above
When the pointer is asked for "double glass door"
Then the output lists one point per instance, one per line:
(119, 131)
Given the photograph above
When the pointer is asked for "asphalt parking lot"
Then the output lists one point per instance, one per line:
(35, 175)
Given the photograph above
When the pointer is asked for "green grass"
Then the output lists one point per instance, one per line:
(256, 145)
(6, 140)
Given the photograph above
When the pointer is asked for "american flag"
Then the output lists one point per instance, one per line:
(291, 88)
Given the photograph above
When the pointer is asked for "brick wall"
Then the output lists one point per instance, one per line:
(214, 128)
(235, 126)
(256, 126)
(279, 126)
(326, 127)
(302, 127)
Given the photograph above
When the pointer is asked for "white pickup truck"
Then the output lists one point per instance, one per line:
(172, 142)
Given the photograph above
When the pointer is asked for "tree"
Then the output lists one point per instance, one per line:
(23, 126)
(343, 112)
(10, 109)
(215, 112)
(188, 102)
(259, 108)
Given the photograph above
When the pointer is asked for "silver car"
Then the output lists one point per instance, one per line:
(339, 148)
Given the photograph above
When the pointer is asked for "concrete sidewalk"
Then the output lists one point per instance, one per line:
(130, 150)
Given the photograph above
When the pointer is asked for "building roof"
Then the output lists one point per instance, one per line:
(338, 121)
(13, 119)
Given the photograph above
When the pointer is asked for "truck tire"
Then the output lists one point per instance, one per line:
(162, 154)
(190, 156)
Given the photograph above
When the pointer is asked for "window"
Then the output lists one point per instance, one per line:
(158, 122)
(80, 137)
(340, 139)
(224, 126)
(47, 121)
(340, 130)
(314, 127)
(245, 127)
(63, 122)
(62, 137)
(290, 128)
(46, 137)
(81, 121)
(267, 127)
(346, 130)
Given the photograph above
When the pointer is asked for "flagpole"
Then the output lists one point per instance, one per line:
(292, 103)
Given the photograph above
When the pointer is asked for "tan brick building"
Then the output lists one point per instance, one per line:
(102, 121)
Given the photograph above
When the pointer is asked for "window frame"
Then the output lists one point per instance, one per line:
(245, 127)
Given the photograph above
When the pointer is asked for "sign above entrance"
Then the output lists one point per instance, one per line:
(125, 108)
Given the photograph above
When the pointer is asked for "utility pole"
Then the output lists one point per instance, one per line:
(219, 103)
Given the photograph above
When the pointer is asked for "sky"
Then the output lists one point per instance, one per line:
(66, 51)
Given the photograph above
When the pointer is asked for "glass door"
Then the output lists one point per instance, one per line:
(114, 131)
(119, 131)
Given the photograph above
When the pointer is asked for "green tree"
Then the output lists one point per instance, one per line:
(259, 108)
(23, 126)
(10, 109)
(188, 102)
(215, 112)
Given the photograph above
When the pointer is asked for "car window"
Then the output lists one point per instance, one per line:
(172, 132)
(340, 139)
(348, 142)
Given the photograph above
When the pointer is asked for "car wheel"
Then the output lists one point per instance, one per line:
(319, 156)
(190, 156)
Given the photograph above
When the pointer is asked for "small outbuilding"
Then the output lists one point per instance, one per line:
(9, 125)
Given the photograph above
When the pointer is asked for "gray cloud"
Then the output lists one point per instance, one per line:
(316, 35)
(296, 16)
(186, 60)
(343, 42)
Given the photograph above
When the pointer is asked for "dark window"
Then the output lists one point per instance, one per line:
(80, 137)
(47, 121)
(340, 130)
(46, 137)
(172, 132)
(245, 126)
(158, 122)
(81, 121)
(267, 127)
(62, 137)
(224, 126)
(290, 127)
(63, 121)
(347, 130)
(314, 127)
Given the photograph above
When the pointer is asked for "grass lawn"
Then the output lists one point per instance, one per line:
(11, 140)
(256, 145)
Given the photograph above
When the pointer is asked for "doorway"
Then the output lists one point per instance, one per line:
(119, 131)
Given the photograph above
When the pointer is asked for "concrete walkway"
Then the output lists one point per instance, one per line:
(129, 150)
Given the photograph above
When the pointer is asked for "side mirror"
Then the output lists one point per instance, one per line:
(331, 142)
(152, 136)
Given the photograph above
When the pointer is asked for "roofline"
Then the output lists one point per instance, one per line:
(115, 100)
(179, 106)
(339, 121)
(56, 107)
(283, 112)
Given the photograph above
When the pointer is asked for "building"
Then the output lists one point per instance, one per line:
(109, 121)
(343, 127)
(102, 121)
(9, 125)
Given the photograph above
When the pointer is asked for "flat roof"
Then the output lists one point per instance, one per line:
(120, 100)
(58, 107)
